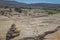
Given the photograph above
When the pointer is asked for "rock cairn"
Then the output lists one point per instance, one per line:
(12, 33)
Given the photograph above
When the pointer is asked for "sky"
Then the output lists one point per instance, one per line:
(40, 1)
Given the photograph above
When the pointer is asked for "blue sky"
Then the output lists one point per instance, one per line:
(40, 1)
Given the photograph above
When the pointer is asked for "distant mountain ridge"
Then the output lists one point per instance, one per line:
(11, 3)
(34, 5)
(46, 5)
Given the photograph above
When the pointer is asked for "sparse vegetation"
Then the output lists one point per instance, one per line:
(28, 12)
(53, 11)
(18, 10)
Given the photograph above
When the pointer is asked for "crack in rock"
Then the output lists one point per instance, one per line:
(42, 36)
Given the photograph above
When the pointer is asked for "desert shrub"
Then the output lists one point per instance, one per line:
(10, 9)
(6, 7)
(18, 10)
(2, 12)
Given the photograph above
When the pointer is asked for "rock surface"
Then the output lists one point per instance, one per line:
(31, 27)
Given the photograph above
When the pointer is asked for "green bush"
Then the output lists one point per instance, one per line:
(53, 12)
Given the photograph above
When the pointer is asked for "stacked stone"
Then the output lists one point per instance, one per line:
(12, 33)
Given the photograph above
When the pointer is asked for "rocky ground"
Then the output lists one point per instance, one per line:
(31, 26)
